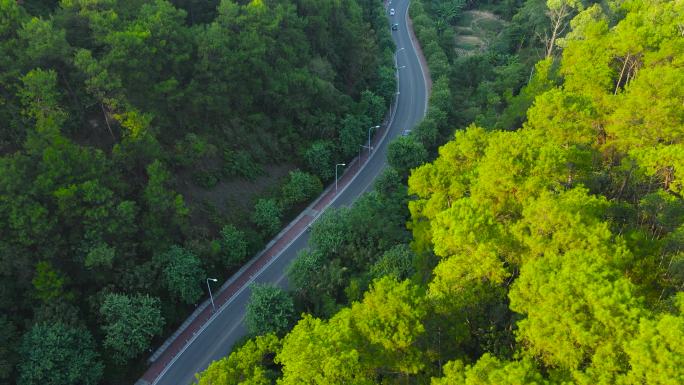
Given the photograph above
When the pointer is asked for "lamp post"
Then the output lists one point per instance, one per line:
(369, 132)
(396, 74)
(396, 57)
(337, 165)
(211, 296)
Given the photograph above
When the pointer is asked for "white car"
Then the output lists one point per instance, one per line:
(391, 11)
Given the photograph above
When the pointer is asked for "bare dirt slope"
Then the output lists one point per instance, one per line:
(474, 30)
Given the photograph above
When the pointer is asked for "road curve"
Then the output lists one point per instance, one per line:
(216, 337)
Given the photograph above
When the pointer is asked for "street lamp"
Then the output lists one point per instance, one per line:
(396, 101)
(210, 296)
(396, 57)
(401, 67)
(339, 164)
(369, 131)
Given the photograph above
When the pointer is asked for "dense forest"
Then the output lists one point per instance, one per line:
(125, 123)
(542, 244)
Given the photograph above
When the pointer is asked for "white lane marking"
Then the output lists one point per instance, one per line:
(422, 70)
(230, 331)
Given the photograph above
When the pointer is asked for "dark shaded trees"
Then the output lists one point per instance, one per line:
(112, 114)
(270, 310)
(130, 322)
(58, 354)
(183, 274)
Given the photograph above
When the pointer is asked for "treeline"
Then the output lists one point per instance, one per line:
(552, 254)
(108, 108)
(485, 86)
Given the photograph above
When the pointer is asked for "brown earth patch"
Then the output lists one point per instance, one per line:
(231, 199)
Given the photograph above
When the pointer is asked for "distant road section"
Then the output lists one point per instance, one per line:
(210, 336)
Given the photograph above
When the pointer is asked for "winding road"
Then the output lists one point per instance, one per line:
(210, 336)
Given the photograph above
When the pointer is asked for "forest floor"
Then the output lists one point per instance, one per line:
(475, 30)
(230, 198)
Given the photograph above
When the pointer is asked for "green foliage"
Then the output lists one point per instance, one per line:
(206, 179)
(45, 44)
(541, 81)
(183, 274)
(319, 159)
(101, 255)
(60, 355)
(240, 163)
(377, 335)
(267, 216)
(490, 371)
(270, 310)
(655, 355)
(396, 262)
(113, 113)
(329, 232)
(8, 344)
(372, 106)
(166, 208)
(192, 148)
(331, 344)
(353, 134)
(249, 364)
(48, 283)
(547, 254)
(130, 322)
(391, 317)
(40, 98)
(605, 305)
(315, 281)
(405, 153)
(387, 83)
(344, 244)
(233, 246)
(299, 188)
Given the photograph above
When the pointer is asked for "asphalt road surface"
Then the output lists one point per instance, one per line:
(217, 337)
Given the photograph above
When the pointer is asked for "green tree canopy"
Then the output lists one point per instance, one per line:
(299, 188)
(183, 273)
(405, 153)
(396, 262)
(267, 216)
(249, 364)
(270, 310)
(233, 246)
(60, 355)
(129, 324)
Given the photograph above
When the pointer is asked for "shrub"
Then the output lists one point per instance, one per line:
(182, 273)
(233, 246)
(241, 163)
(353, 133)
(270, 310)
(318, 158)
(267, 216)
(300, 187)
(206, 179)
(405, 153)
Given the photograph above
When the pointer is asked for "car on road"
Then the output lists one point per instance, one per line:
(391, 11)
(395, 27)
(406, 132)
